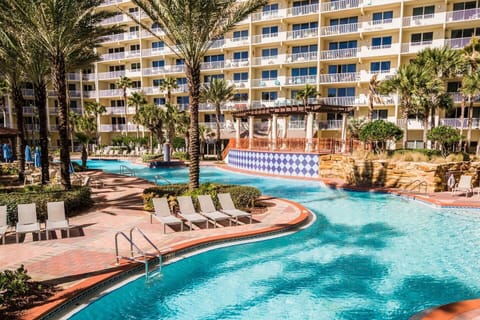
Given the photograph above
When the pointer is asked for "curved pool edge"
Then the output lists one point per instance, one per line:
(65, 300)
(461, 310)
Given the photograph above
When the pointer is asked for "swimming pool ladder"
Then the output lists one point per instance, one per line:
(417, 184)
(159, 177)
(127, 171)
(143, 258)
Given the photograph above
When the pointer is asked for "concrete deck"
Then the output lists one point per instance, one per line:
(88, 256)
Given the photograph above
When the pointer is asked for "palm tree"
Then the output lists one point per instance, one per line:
(137, 99)
(150, 116)
(85, 132)
(167, 86)
(191, 28)
(403, 83)
(124, 83)
(470, 89)
(373, 96)
(172, 120)
(95, 109)
(63, 29)
(217, 92)
(4, 91)
(205, 134)
(307, 92)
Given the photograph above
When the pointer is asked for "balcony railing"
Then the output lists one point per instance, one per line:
(457, 123)
(339, 29)
(303, 10)
(424, 20)
(110, 93)
(269, 15)
(329, 124)
(340, 77)
(111, 75)
(302, 34)
(340, 5)
(463, 15)
(213, 65)
(296, 124)
(338, 54)
(236, 63)
(302, 57)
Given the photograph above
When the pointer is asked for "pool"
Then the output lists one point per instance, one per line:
(367, 256)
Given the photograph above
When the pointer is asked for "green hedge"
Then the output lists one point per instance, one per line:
(76, 200)
(243, 196)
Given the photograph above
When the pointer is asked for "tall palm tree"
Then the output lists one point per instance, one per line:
(373, 96)
(85, 131)
(95, 109)
(63, 29)
(217, 92)
(172, 120)
(191, 27)
(150, 116)
(4, 91)
(403, 83)
(307, 92)
(124, 83)
(137, 99)
(167, 86)
(470, 90)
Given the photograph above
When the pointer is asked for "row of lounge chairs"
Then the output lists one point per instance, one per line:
(28, 222)
(119, 153)
(207, 213)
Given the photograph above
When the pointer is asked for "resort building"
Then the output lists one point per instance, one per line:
(335, 46)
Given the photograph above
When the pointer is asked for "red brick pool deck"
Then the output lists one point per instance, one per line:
(87, 257)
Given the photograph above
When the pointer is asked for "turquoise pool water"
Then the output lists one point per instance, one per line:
(368, 256)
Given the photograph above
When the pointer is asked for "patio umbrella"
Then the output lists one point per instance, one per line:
(5, 152)
(36, 160)
(451, 181)
(28, 154)
(71, 169)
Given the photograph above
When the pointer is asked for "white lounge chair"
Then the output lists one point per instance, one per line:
(3, 222)
(56, 219)
(228, 207)
(207, 208)
(187, 211)
(463, 185)
(163, 214)
(27, 220)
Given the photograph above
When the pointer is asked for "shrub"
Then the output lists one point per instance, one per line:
(8, 169)
(148, 157)
(76, 200)
(243, 196)
(13, 285)
(180, 155)
(379, 132)
(447, 137)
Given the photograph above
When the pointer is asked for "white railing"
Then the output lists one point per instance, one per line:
(265, 61)
(339, 29)
(340, 5)
(296, 124)
(463, 15)
(111, 75)
(212, 65)
(269, 37)
(265, 82)
(115, 19)
(457, 122)
(458, 43)
(54, 128)
(269, 15)
(29, 110)
(88, 76)
(302, 34)
(378, 25)
(413, 47)
(329, 124)
(30, 127)
(300, 80)
(338, 54)
(302, 10)
(412, 123)
(235, 42)
(28, 92)
(110, 93)
(339, 77)
(73, 76)
(302, 57)
(113, 56)
(342, 101)
(90, 94)
(236, 63)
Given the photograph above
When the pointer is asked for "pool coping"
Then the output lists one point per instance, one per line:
(64, 298)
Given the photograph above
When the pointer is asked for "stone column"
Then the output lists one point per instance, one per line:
(250, 131)
(309, 133)
(274, 131)
(237, 132)
(344, 132)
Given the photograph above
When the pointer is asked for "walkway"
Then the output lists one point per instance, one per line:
(88, 255)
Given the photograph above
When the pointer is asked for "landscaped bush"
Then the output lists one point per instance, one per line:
(76, 200)
(243, 196)
(8, 169)
(180, 155)
(148, 157)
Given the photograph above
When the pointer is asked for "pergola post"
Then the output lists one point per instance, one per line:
(274, 131)
(250, 131)
(309, 133)
(237, 132)
(344, 132)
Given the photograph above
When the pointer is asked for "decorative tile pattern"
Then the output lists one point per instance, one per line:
(287, 164)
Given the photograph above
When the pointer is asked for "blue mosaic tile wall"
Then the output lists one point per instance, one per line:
(287, 164)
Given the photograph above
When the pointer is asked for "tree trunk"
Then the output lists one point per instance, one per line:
(470, 120)
(138, 128)
(18, 103)
(370, 109)
(60, 87)
(40, 91)
(426, 117)
(84, 156)
(126, 110)
(4, 112)
(405, 128)
(193, 78)
(219, 140)
(462, 111)
(151, 141)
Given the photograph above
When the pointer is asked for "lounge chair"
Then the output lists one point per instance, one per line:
(464, 185)
(27, 220)
(207, 208)
(56, 219)
(187, 211)
(3, 222)
(162, 213)
(228, 207)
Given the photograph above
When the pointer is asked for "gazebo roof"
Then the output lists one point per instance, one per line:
(8, 132)
(292, 109)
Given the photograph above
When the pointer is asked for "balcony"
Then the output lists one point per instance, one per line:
(111, 74)
(302, 57)
(270, 60)
(339, 77)
(296, 124)
(243, 84)
(338, 54)
(213, 65)
(424, 20)
(463, 15)
(73, 76)
(414, 47)
(237, 42)
(457, 123)
(379, 25)
(303, 10)
(29, 110)
(181, 88)
(301, 80)
(263, 104)
(458, 43)
(269, 15)
(117, 127)
(110, 93)
(88, 77)
(236, 63)
(148, 34)
(413, 124)
(119, 110)
(54, 128)
(90, 94)
(217, 44)
(121, 36)
(258, 83)
(375, 51)
(302, 34)
(213, 125)
(339, 29)
(115, 19)
(340, 5)
(112, 2)
(31, 127)
(28, 92)
(330, 124)
(269, 37)
(340, 101)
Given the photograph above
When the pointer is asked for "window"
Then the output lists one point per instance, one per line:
(381, 42)
(342, 45)
(179, 62)
(133, 29)
(137, 84)
(116, 103)
(422, 38)
(270, 32)
(158, 82)
(299, 72)
(135, 47)
(212, 77)
(116, 68)
(463, 11)
(305, 49)
(181, 81)
(240, 97)
(133, 10)
(72, 87)
(269, 74)
(159, 101)
(342, 68)
(116, 50)
(340, 21)
(380, 114)
(304, 7)
(424, 12)
(273, 52)
(380, 67)
(270, 8)
(158, 63)
(465, 33)
(135, 66)
(213, 58)
(240, 77)
(269, 95)
(454, 86)
(341, 92)
(305, 26)
(382, 17)
(158, 45)
(242, 34)
(182, 100)
(118, 120)
(464, 5)
(240, 55)
(155, 25)
(304, 3)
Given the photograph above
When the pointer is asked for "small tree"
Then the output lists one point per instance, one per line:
(151, 117)
(378, 132)
(86, 130)
(447, 138)
(354, 127)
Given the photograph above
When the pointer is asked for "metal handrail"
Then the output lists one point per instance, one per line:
(127, 171)
(417, 183)
(159, 254)
(160, 177)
